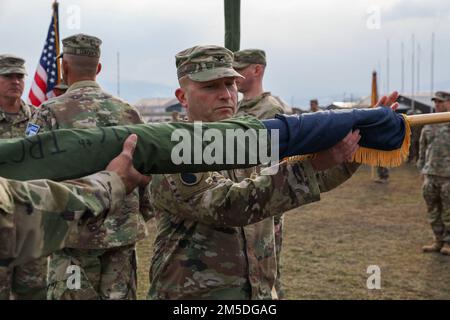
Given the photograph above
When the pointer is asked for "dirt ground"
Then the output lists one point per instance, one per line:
(329, 245)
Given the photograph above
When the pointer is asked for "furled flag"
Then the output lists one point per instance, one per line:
(47, 73)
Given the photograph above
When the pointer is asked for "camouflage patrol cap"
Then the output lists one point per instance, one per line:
(244, 58)
(441, 96)
(12, 64)
(82, 45)
(205, 63)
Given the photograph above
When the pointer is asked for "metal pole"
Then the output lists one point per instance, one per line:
(418, 67)
(403, 68)
(432, 65)
(380, 79)
(232, 10)
(387, 67)
(413, 58)
(118, 73)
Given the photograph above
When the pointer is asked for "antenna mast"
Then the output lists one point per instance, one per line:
(118, 73)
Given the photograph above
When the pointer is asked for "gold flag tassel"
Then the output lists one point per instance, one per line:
(383, 158)
(395, 158)
(374, 157)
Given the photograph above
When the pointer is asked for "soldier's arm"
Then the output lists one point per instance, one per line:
(213, 199)
(44, 118)
(145, 206)
(274, 108)
(332, 178)
(329, 175)
(270, 114)
(135, 114)
(36, 217)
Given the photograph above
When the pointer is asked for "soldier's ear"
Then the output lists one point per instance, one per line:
(99, 67)
(180, 93)
(65, 68)
(258, 70)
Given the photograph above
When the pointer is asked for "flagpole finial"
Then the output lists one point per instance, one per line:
(55, 4)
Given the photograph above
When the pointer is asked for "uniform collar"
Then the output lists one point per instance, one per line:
(23, 115)
(83, 84)
(245, 104)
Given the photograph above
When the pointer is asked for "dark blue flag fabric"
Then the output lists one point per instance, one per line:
(385, 135)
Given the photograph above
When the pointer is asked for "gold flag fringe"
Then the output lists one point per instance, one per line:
(374, 157)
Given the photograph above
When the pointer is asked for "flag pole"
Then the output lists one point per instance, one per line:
(428, 118)
(56, 22)
(232, 10)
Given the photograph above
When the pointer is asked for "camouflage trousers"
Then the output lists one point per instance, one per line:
(278, 222)
(383, 173)
(415, 144)
(93, 274)
(24, 282)
(436, 192)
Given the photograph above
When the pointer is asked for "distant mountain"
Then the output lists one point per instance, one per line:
(133, 91)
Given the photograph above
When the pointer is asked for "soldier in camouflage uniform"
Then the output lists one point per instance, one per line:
(434, 163)
(383, 175)
(27, 281)
(314, 105)
(38, 217)
(107, 257)
(215, 230)
(413, 155)
(251, 64)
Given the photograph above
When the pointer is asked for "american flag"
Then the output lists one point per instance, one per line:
(47, 73)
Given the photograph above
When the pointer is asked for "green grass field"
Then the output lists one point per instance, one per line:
(328, 245)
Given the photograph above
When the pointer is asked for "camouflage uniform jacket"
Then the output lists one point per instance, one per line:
(37, 217)
(434, 155)
(215, 236)
(13, 126)
(86, 105)
(264, 106)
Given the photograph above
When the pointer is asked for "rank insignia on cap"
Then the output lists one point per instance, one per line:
(219, 58)
(190, 179)
(32, 129)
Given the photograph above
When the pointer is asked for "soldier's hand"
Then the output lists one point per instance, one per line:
(343, 151)
(390, 101)
(123, 166)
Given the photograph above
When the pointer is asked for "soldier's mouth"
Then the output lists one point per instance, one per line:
(224, 108)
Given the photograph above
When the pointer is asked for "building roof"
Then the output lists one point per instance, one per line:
(152, 102)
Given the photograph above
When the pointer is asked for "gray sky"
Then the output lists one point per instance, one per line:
(315, 48)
